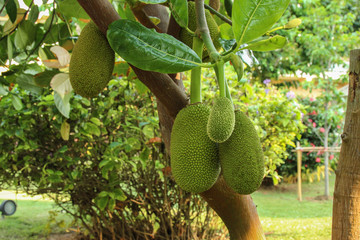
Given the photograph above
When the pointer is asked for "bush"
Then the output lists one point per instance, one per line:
(277, 116)
(111, 174)
(312, 162)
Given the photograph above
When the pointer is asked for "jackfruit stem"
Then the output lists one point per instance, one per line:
(228, 95)
(220, 66)
(203, 29)
(195, 84)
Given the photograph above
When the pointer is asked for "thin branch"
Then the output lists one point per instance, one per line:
(44, 36)
(2, 9)
(23, 18)
(221, 16)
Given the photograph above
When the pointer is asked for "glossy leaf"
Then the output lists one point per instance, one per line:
(238, 65)
(251, 19)
(61, 84)
(25, 34)
(71, 8)
(65, 131)
(3, 92)
(9, 48)
(92, 129)
(226, 31)
(43, 79)
(16, 101)
(11, 10)
(34, 14)
(159, 52)
(102, 202)
(269, 44)
(27, 82)
(63, 104)
(179, 10)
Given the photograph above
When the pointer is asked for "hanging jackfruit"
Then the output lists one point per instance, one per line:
(221, 120)
(241, 157)
(92, 62)
(194, 157)
(187, 38)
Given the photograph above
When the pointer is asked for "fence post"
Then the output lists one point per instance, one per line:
(299, 160)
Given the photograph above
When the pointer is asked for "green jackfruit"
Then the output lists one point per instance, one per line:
(221, 120)
(241, 157)
(194, 157)
(92, 62)
(187, 38)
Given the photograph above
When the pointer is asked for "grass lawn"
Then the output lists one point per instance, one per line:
(283, 217)
(31, 221)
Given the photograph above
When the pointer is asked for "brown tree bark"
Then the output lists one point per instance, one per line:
(237, 211)
(346, 206)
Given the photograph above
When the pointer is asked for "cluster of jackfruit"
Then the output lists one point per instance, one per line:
(241, 157)
(91, 63)
(196, 159)
(221, 120)
(214, 30)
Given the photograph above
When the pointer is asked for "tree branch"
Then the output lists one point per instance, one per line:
(237, 211)
(161, 85)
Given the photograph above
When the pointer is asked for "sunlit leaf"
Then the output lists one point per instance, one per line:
(63, 104)
(251, 19)
(16, 101)
(269, 44)
(65, 130)
(61, 84)
(61, 54)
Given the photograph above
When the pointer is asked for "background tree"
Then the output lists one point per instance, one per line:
(346, 208)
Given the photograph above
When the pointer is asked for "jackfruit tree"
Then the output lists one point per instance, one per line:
(214, 148)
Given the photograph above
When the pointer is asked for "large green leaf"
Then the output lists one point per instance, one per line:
(34, 14)
(27, 82)
(63, 104)
(17, 103)
(252, 18)
(71, 8)
(179, 10)
(148, 50)
(25, 34)
(269, 44)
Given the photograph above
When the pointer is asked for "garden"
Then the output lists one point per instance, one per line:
(86, 132)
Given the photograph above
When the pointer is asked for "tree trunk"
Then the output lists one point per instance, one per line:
(346, 208)
(237, 211)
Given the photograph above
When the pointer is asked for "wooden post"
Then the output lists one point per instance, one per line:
(299, 160)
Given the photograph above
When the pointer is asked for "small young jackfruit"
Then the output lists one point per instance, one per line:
(221, 120)
(241, 157)
(194, 157)
(215, 4)
(91, 63)
(187, 38)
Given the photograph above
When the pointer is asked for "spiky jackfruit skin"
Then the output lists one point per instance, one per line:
(241, 157)
(221, 120)
(92, 62)
(194, 157)
(187, 38)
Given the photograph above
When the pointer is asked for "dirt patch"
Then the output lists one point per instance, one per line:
(65, 236)
(321, 198)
